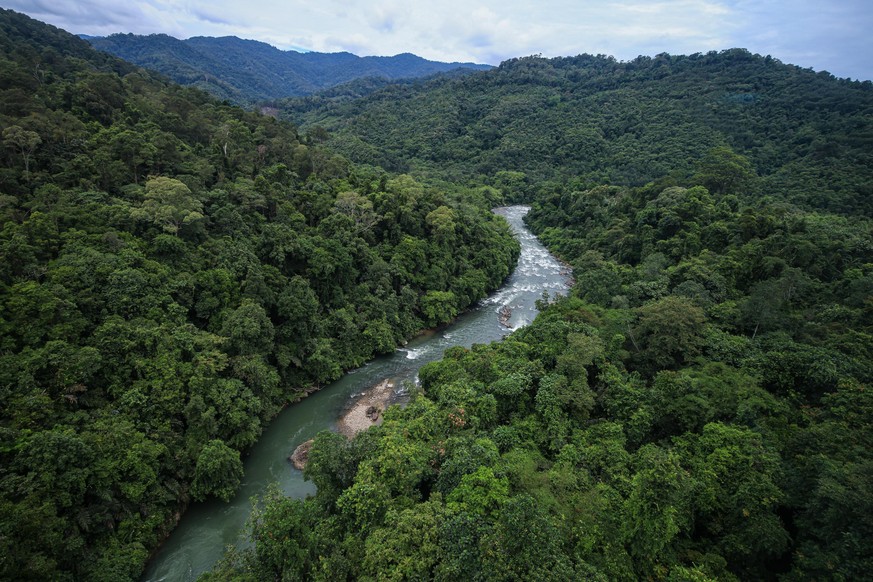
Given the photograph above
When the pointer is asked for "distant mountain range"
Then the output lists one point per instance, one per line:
(248, 71)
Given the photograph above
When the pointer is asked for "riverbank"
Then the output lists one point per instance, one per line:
(209, 527)
(366, 410)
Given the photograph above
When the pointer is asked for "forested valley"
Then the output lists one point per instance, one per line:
(175, 270)
(697, 409)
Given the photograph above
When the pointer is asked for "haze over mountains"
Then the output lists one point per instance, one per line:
(246, 71)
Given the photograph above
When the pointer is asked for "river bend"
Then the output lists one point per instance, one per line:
(206, 528)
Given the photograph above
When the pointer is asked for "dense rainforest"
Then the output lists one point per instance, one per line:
(247, 72)
(600, 121)
(698, 408)
(174, 271)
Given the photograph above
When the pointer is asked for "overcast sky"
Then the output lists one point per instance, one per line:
(832, 35)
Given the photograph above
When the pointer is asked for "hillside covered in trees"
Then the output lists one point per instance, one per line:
(247, 72)
(697, 409)
(596, 120)
(174, 271)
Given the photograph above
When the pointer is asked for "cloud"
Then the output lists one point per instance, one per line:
(206, 16)
(829, 35)
(86, 13)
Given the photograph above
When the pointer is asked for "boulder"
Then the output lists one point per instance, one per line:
(301, 454)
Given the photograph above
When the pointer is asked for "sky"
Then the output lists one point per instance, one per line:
(831, 35)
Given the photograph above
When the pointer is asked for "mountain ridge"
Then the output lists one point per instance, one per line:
(247, 71)
(595, 119)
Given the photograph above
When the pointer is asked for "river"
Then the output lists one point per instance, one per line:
(205, 529)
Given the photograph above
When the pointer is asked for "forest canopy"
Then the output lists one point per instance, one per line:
(696, 409)
(174, 271)
(594, 120)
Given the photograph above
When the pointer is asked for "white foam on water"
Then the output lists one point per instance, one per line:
(415, 353)
(535, 272)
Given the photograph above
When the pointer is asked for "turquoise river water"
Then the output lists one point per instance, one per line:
(205, 529)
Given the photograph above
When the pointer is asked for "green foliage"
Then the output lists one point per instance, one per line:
(731, 121)
(24, 142)
(723, 171)
(408, 548)
(175, 271)
(169, 204)
(738, 317)
(668, 333)
(696, 409)
(593, 471)
(479, 493)
(438, 307)
(218, 471)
